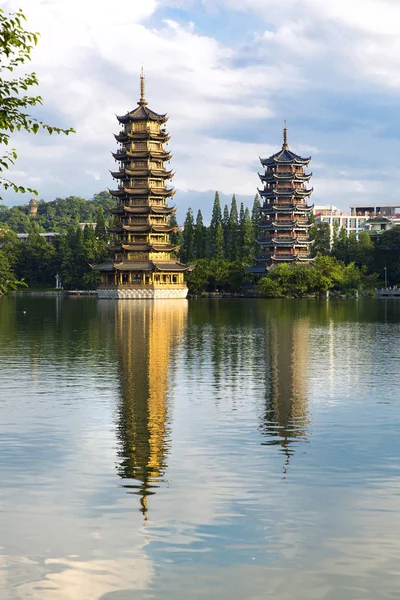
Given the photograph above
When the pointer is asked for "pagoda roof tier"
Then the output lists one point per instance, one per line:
(304, 258)
(168, 266)
(142, 173)
(149, 154)
(120, 155)
(286, 208)
(284, 241)
(285, 193)
(145, 191)
(271, 177)
(116, 229)
(284, 257)
(123, 136)
(257, 269)
(292, 225)
(146, 208)
(138, 247)
(123, 155)
(148, 190)
(142, 113)
(136, 228)
(153, 172)
(147, 228)
(284, 157)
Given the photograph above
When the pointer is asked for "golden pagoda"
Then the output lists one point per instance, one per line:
(144, 265)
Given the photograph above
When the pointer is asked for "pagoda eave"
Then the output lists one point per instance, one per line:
(165, 192)
(149, 154)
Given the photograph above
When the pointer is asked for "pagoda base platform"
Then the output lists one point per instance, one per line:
(142, 293)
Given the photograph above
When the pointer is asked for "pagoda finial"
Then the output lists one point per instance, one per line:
(285, 142)
(142, 88)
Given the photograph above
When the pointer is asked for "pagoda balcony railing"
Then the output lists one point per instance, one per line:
(147, 286)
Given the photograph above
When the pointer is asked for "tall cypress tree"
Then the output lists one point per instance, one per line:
(175, 236)
(233, 232)
(199, 237)
(216, 219)
(187, 251)
(225, 228)
(241, 229)
(248, 239)
(101, 229)
(255, 213)
(219, 243)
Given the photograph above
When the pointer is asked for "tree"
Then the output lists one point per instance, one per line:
(36, 261)
(247, 237)
(187, 250)
(255, 212)
(321, 235)
(225, 228)
(233, 249)
(340, 247)
(176, 236)
(8, 281)
(216, 220)
(219, 243)
(101, 230)
(16, 45)
(199, 237)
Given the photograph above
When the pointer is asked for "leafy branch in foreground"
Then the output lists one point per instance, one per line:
(16, 45)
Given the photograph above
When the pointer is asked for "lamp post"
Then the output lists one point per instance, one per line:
(385, 269)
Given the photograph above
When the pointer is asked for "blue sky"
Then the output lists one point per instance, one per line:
(228, 73)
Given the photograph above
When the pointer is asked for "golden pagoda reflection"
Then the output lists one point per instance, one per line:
(147, 335)
(286, 416)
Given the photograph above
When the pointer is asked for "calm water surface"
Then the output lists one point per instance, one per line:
(210, 449)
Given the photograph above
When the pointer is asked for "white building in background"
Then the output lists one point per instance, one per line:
(361, 217)
(50, 237)
(334, 217)
(387, 210)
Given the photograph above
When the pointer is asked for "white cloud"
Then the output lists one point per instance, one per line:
(301, 54)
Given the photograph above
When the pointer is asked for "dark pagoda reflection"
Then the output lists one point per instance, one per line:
(147, 335)
(286, 417)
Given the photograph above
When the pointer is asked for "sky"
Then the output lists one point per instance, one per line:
(227, 72)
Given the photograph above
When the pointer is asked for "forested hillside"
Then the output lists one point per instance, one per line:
(58, 215)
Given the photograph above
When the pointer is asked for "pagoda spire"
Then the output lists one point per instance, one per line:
(142, 100)
(285, 145)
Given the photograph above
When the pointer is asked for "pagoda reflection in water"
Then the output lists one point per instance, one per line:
(146, 336)
(286, 417)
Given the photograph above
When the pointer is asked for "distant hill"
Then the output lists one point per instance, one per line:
(57, 215)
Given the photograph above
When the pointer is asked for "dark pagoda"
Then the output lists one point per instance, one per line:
(144, 264)
(284, 228)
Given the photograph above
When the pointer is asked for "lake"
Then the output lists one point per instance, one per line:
(219, 449)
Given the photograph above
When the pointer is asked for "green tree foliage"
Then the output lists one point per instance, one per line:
(58, 215)
(37, 261)
(325, 274)
(187, 251)
(175, 236)
(8, 280)
(200, 237)
(101, 228)
(216, 220)
(233, 246)
(225, 228)
(16, 45)
(321, 236)
(219, 243)
(217, 275)
(247, 238)
(387, 255)
(340, 247)
(255, 212)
